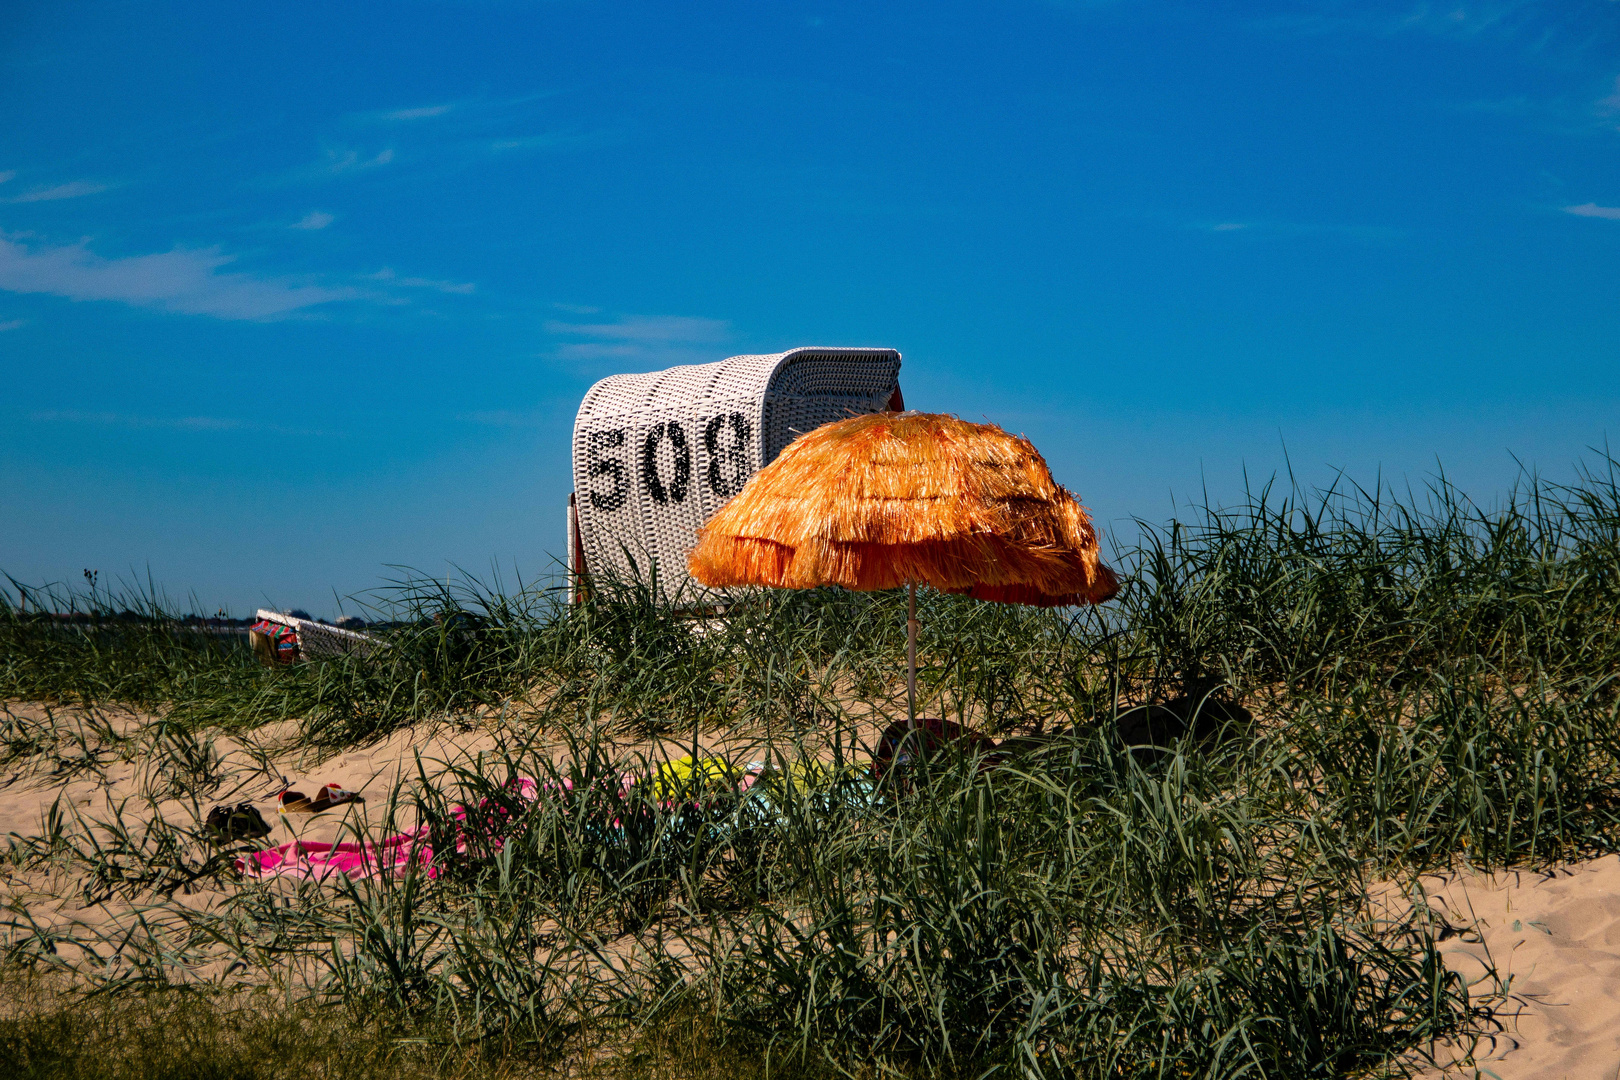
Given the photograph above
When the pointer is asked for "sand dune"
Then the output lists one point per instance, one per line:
(1541, 951)
(255, 767)
(1553, 942)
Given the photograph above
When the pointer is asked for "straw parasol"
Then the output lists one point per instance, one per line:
(890, 499)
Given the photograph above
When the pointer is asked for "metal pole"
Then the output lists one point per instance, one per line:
(911, 654)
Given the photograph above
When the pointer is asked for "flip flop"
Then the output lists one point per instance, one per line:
(333, 795)
(295, 802)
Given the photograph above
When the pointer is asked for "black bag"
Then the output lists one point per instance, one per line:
(228, 824)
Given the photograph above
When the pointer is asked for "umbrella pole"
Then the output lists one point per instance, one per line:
(911, 654)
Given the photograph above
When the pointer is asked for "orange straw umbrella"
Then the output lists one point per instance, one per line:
(890, 499)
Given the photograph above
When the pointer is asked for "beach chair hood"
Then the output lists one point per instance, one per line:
(655, 455)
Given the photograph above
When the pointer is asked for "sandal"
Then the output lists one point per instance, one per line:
(296, 802)
(332, 795)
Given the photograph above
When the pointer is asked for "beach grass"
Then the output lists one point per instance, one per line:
(1180, 865)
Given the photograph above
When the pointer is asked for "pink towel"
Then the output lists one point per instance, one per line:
(315, 861)
(367, 858)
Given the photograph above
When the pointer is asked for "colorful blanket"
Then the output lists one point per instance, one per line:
(314, 861)
(362, 859)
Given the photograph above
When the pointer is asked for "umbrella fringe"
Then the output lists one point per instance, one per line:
(982, 567)
(877, 501)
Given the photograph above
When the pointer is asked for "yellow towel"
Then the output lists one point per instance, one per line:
(681, 775)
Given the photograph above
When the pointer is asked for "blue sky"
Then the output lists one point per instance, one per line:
(290, 293)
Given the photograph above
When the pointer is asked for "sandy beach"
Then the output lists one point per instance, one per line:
(1541, 951)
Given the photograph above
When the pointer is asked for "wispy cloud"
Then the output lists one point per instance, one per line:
(14, 324)
(1611, 104)
(1371, 234)
(1612, 213)
(421, 113)
(639, 329)
(1570, 26)
(463, 108)
(71, 190)
(339, 161)
(185, 281)
(405, 115)
(315, 219)
(9, 174)
(531, 142)
(467, 131)
(428, 139)
(641, 341)
(1556, 114)
(352, 161)
(171, 423)
(460, 288)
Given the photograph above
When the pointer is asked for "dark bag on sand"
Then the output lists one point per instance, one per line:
(227, 824)
(901, 745)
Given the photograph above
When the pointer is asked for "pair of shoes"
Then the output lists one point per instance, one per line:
(296, 802)
(228, 824)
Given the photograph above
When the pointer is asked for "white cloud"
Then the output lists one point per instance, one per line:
(643, 331)
(395, 116)
(461, 288)
(1367, 234)
(639, 341)
(337, 162)
(315, 219)
(529, 142)
(350, 161)
(9, 174)
(1612, 102)
(468, 109)
(186, 281)
(421, 113)
(1594, 210)
(61, 191)
(14, 324)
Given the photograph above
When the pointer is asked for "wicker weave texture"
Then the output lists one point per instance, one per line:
(318, 639)
(655, 455)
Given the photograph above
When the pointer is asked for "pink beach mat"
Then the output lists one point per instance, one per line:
(314, 861)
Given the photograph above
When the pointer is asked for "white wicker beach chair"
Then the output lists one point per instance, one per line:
(656, 455)
(317, 639)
